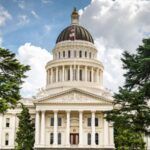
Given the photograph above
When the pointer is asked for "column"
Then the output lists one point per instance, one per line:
(111, 134)
(101, 78)
(47, 79)
(55, 127)
(85, 73)
(68, 129)
(37, 128)
(106, 137)
(13, 128)
(1, 126)
(93, 128)
(97, 75)
(92, 74)
(80, 128)
(56, 74)
(51, 75)
(63, 73)
(71, 73)
(78, 70)
(42, 128)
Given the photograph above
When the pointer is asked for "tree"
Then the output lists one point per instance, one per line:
(25, 134)
(131, 113)
(12, 73)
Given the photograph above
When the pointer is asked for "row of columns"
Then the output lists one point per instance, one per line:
(51, 75)
(40, 132)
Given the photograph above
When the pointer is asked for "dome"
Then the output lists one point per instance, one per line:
(75, 32)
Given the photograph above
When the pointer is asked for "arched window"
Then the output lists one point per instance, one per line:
(80, 54)
(69, 54)
(80, 75)
(68, 74)
(96, 138)
(7, 139)
(89, 139)
(63, 54)
(85, 54)
(51, 138)
(59, 138)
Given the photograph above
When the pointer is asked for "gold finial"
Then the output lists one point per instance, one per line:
(74, 17)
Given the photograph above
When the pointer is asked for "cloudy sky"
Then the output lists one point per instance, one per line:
(29, 28)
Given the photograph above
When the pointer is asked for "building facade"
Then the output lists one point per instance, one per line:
(69, 111)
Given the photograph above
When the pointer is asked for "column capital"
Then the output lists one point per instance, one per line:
(55, 111)
(80, 111)
(43, 111)
(93, 111)
(68, 111)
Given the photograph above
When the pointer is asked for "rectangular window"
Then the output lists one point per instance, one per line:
(51, 138)
(59, 138)
(96, 122)
(69, 54)
(85, 54)
(59, 121)
(89, 122)
(64, 54)
(80, 75)
(75, 54)
(7, 122)
(80, 54)
(52, 121)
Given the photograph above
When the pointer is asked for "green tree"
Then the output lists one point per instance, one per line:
(131, 113)
(25, 134)
(12, 73)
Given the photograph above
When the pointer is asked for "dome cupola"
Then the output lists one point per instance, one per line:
(75, 31)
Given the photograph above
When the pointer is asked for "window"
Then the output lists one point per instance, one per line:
(59, 54)
(81, 75)
(74, 74)
(68, 54)
(96, 122)
(89, 138)
(52, 121)
(59, 138)
(7, 122)
(51, 138)
(89, 55)
(85, 54)
(7, 139)
(96, 138)
(59, 121)
(75, 54)
(64, 54)
(89, 122)
(90, 76)
(80, 54)
(68, 74)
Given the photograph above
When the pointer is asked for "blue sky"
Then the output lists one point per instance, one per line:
(36, 21)
(30, 28)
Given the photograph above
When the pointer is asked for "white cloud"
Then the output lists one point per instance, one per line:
(23, 19)
(4, 16)
(21, 4)
(116, 26)
(46, 1)
(34, 14)
(36, 58)
(47, 28)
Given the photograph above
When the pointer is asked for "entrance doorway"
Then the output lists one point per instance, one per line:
(74, 138)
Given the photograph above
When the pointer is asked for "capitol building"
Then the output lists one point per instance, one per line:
(69, 112)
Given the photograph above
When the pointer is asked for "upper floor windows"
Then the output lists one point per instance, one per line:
(96, 138)
(7, 122)
(69, 54)
(59, 121)
(75, 54)
(51, 138)
(96, 122)
(89, 122)
(52, 121)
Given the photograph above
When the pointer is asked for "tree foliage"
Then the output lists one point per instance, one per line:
(12, 73)
(131, 113)
(25, 134)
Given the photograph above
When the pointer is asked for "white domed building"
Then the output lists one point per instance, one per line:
(69, 112)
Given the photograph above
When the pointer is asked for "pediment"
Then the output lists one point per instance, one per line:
(74, 96)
